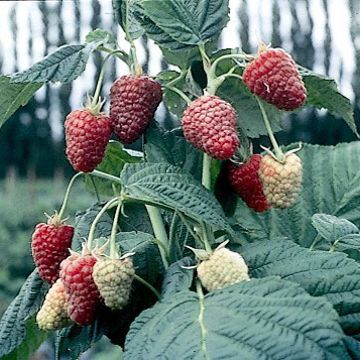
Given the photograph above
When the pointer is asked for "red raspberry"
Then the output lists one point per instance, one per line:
(209, 124)
(274, 77)
(84, 297)
(86, 136)
(50, 246)
(134, 100)
(246, 182)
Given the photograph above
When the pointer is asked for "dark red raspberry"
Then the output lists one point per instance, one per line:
(274, 77)
(50, 246)
(246, 182)
(134, 100)
(209, 124)
(84, 297)
(86, 136)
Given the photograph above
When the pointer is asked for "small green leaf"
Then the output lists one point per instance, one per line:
(12, 96)
(114, 160)
(168, 186)
(124, 10)
(25, 305)
(101, 37)
(63, 65)
(320, 273)
(165, 146)
(259, 319)
(323, 93)
(34, 338)
(188, 22)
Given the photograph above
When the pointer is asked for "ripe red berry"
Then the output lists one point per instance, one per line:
(76, 275)
(274, 77)
(50, 246)
(246, 183)
(209, 124)
(134, 100)
(86, 136)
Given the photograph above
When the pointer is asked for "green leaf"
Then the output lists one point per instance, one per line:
(124, 10)
(323, 93)
(177, 278)
(34, 338)
(64, 65)
(114, 160)
(147, 259)
(75, 340)
(12, 96)
(247, 108)
(101, 37)
(83, 221)
(165, 146)
(320, 273)
(188, 22)
(25, 305)
(168, 186)
(260, 319)
(136, 218)
(331, 185)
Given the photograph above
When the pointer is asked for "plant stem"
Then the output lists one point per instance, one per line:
(113, 253)
(106, 176)
(159, 231)
(205, 238)
(149, 286)
(278, 152)
(67, 193)
(107, 206)
(118, 53)
(95, 188)
(180, 93)
(206, 173)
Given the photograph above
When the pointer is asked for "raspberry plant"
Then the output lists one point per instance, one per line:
(169, 262)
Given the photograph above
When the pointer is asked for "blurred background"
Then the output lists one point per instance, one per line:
(323, 35)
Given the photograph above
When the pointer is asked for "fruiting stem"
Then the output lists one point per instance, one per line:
(206, 173)
(224, 57)
(159, 231)
(107, 206)
(178, 78)
(114, 254)
(106, 176)
(180, 93)
(149, 286)
(205, 238)
(278, 152)
(67, 193)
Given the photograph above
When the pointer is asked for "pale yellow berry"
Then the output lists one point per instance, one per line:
(223, 268)
(53, 314)
(281, 181)
(113, 278)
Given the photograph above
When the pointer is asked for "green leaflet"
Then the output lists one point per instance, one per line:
(12, 96)
(320, 273)
(168, 186)
(331, 185)
(244, 321)
(12, 325)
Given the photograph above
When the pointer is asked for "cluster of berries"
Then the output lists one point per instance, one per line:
(80, 283)
(209, 124)
(134, 100)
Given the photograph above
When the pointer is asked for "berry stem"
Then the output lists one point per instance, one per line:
(180, 93)
(206, 174)
(105, 176)
(159, 231)
(118, 53)
(205, 238)
(107, 206)
(227, 56)
(67, 193)
(278, 152)
(149, 286)
(114, 253)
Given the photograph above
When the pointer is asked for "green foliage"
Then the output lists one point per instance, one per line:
(124, 10)
(166, 185)
(26, 304)
(320, 273)
(323, 93)
(114, 160)
(12, 96)
(330, 186)
(248, 319)
(100, 37)
(63, 65)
